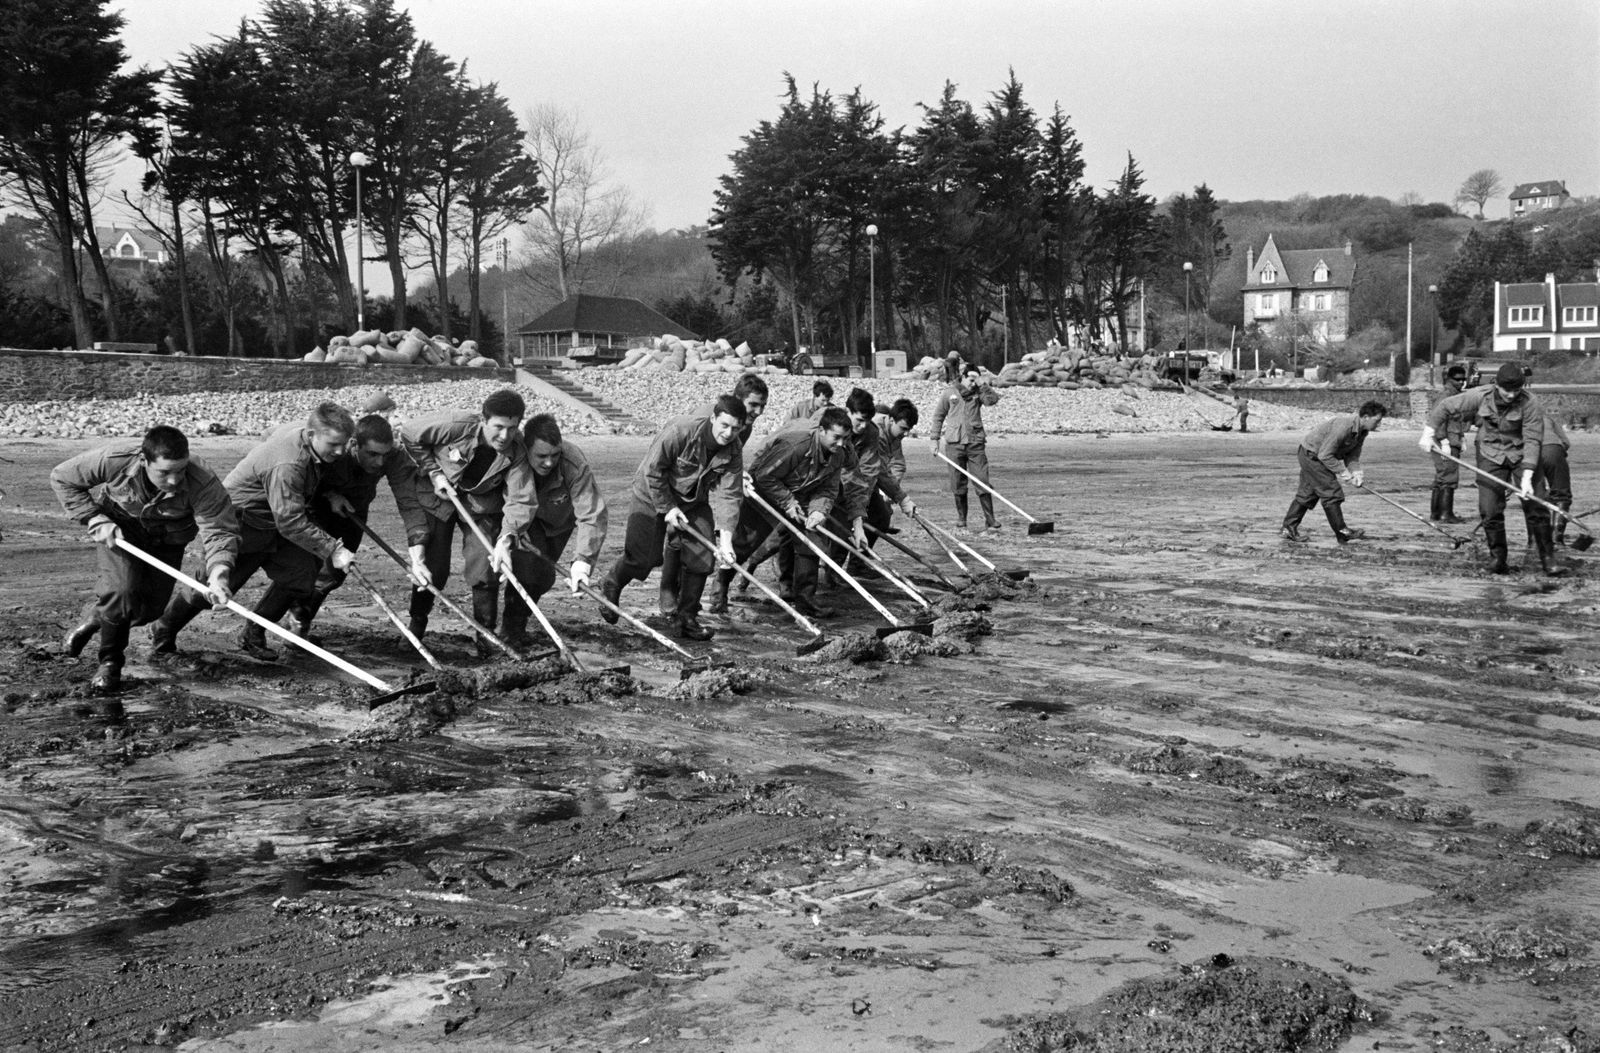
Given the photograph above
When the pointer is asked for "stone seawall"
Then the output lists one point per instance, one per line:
(1577, 406)
(32, 376)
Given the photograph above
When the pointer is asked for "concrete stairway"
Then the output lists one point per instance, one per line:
(569, 391)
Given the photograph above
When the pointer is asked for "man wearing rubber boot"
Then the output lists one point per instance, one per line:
(1556, 474)
(344, 496)
(752, 391)
(1511, 433)
(1447, 473)
(1330, 455)
(958, 425)
(482, 459)
(153, 496)
(569, 501)
(797, 471)
(272, 489)
(690, 477)
(866, 472)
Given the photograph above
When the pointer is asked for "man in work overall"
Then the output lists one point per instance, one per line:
(1330, 455)
(482, 458)
(958, 426)
(344, 496)
(154, 496)
(690, 477)
(797, 471)
(569, 502)
(1447, 473)
(272, 489)
(1511, 434)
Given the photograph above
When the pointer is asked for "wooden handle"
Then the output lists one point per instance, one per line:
(783, 521)
(805, 623)
(991, 490)
(405, 564)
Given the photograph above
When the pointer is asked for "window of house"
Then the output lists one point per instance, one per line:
(1269, 301)
(1269, 274)
(1578, 315)
(1321, 273)
(1527, 315)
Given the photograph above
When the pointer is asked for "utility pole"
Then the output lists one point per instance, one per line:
(505, 301)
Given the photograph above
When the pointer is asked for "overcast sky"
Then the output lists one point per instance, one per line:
(1257, 98)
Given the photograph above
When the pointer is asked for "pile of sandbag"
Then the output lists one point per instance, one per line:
(1071, 368)
(412, 347)
(669, 354)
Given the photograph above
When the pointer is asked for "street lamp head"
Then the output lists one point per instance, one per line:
(1432, 289)
(360, 160)
(872, 230)
(1187, 266)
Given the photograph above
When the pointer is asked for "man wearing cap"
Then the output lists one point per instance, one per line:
(1511, 434)
(1446, 473)
(1329, 455)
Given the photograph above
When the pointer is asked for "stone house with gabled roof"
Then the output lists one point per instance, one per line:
(1312, 285)
(586, 320)
(1547, 315)
(1528, 198)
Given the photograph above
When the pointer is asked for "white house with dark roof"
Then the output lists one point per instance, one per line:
(130, 246)
(1547, 315)
(1528, 198)
(1310, 284)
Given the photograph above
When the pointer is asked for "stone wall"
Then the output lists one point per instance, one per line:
(1576, 405)
(31, 376)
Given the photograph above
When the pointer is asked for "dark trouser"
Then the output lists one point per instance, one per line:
(878, 517)
(647, 544)
(797, 563)
(291, 568)
(347, 532)
(535, 568)
(474, 564)
(1317, 483)
(1492, 507)
(1446, 477)
(1244, 421)
(974, 457)
(129, 592)
(1555, 474)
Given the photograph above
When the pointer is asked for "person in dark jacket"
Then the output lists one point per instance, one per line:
(156, 497)
(1447, 473)
(821, 398)
(1329, 455)
(958, 433)
(272, 489)
(1511, 436)
(691, 476)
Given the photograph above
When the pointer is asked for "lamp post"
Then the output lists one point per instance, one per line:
(505, 304)
(1188, 269)
(872, 292)
(1433, 330)
(358, 161)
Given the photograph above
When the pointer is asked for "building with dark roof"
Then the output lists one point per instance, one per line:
(1547, 315)
(1312, 285)
(1528, 198)
(585, 320)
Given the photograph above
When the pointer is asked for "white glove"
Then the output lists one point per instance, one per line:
(1526, 493)
(342, 558)
(217, 588)
(815, 518)
(441, 486)
(725, 549)
(908, 506)
(500, 558)
(1426, 443)
(579, 575)
(1358, 477)
(1346, 477)
(419, 567)
(748, 484)
(676, 518)
(105, 533)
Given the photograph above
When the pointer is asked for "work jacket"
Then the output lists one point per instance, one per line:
(746, 429)
(891, 448)
(1337, 443)
(110, 483)
(1509, 433)
(685, 468)
(345, 476)
(272, 488)
(805, 409)
(958, 418)
(792, 472)
(1455, 426)
(867, 470)
(569, 499)
(446, 442)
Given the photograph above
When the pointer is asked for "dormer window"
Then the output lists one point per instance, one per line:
(1321, 273)
(1269, 274)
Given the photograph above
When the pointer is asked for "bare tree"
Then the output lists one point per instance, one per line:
(1479, 187)
(582, 208)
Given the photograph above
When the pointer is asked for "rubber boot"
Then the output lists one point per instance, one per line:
(1558, 531)
(304, 612)
(273, 605)
(805, 588)
(1549, 562)
(114, 643)
(1495, 535)
(611, 589)
(1436, 507)
(514, 632)
(108, 676)
(181, 610)
(1341, 533)
(718, 602)
(961, 511)
(987, 504)
(78, 636)
(671, 570)
(687, 618)
(1450, 506)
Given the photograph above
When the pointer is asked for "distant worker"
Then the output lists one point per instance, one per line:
(821, 398)
(1241, 409)
(153, 496)
(958, 428)
(1557, 473)
(1329, 455)
(1446, 473)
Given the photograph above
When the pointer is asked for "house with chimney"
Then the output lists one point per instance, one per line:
(1308, 285)
(1531, 198)
(1547, 315)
